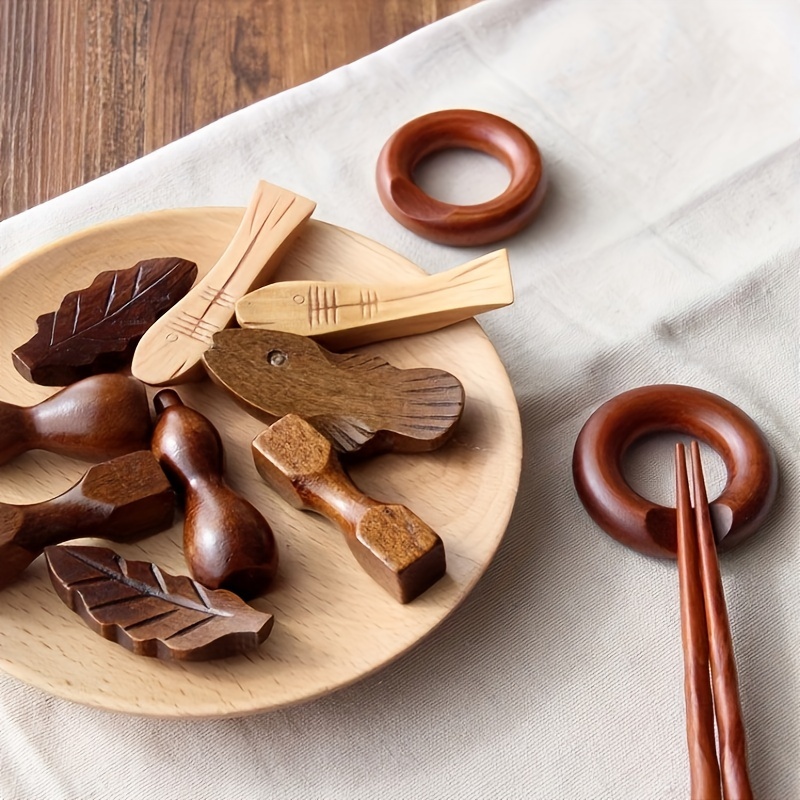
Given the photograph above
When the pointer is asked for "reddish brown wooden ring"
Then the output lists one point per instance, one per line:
(447, 223)
(647, 526)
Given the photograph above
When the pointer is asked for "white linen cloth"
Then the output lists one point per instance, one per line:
(666, 251)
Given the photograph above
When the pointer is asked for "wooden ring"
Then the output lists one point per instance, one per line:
(446, 223)
(646, 526)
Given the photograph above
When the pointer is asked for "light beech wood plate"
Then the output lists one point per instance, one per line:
(333, 625)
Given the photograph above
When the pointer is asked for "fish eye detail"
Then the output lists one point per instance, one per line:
(277, 358)
(299, 299)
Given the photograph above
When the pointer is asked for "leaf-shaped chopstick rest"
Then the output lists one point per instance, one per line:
(119, 499)
(171, 349)
(346, 315)
(151, 612)
(97, 418)
(226, 540)
(359, 401)
(96, 329)
(391, 543)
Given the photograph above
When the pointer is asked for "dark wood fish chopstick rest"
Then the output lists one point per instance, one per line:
(96, 329)
(97, 418)
(359, 401)
(392, 544)
(170, 351)
(149, 611)
(341, 315)
(227, 542)
(118, 500)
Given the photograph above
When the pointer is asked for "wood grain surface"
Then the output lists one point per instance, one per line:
(89, 85)
(333, 624)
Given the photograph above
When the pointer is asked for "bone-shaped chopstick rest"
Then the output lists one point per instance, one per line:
(119, 499)
(394, 546)
(227, 542)
(97, 418)
(359, 401)
(171, 349)
(346, 315)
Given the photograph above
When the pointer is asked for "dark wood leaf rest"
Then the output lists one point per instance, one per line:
(100, 417)
(226, 540)
(151, 612)
(447, 223)
(96, 329)
(647, 526)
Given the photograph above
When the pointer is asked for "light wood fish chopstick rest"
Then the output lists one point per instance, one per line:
(359, 401)
(347, 315)
(170, 350)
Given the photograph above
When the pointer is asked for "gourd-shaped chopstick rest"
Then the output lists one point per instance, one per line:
(96, 329)
(151, 612)
(171, 349)
(119, 499)
(97, 418)
(348, 314)
(359, 401)
(392, 544)
(227, 542)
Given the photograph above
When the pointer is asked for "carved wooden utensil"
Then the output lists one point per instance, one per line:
(227, 542)
(170, 351)
(707, 643)
(119, 499)
(394, 546)
(151, 612)
(97, 418)
(96, 329)
(347, 315)
(360, 402)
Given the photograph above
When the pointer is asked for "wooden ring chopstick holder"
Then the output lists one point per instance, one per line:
(649, 527)
(461, 225)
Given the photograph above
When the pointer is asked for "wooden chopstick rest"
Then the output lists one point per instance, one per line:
(461, 225)
(171, 349)
(96, 329)
(649, 527)
(343, 315)
(119, 499)
(95, 419)
(151, 612)
(363, 404)
(394, 546)
(227, 542)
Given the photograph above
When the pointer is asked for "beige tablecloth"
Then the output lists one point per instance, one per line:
(666, 251)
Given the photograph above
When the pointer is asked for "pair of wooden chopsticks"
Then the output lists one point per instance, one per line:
(707, 642)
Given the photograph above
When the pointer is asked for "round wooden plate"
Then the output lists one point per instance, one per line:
(333, 625)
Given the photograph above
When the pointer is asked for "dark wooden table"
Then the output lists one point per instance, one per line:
(89, 85)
